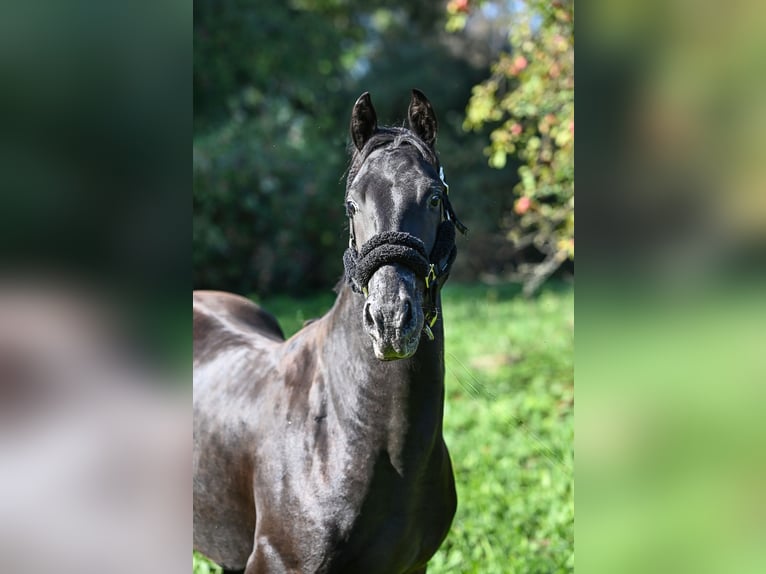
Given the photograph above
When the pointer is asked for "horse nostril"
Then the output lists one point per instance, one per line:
(406, 313)
(373, 318)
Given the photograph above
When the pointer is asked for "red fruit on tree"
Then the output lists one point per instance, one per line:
(522, 205)
(460, 5)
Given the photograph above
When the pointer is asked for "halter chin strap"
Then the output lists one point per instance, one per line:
(404, 248)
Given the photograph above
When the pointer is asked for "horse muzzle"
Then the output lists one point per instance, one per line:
(393, 314)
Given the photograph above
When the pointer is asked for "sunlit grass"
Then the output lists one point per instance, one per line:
(508, 424)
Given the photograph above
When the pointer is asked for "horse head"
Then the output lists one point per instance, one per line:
(401, 225)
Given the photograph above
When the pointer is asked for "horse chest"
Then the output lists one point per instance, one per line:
(353, 510)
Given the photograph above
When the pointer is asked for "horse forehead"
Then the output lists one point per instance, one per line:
(398, 171)
(406, 160)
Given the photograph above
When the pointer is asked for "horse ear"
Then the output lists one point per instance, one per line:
(364, 121)
(422, 118)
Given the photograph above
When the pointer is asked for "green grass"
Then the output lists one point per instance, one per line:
(508, 424)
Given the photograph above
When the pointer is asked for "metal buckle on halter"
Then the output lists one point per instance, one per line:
(430, 276)
(430, 321)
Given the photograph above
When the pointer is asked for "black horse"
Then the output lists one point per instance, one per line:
(324, 453)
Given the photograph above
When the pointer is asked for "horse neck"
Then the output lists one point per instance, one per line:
(399, 402)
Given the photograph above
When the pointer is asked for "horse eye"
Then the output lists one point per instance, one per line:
(350, 208)
(435, 200)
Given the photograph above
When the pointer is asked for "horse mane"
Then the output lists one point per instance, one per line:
(391, 136)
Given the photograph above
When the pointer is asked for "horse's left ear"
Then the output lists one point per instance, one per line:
(422, 118)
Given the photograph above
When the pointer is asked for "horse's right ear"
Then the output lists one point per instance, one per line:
(364, 121)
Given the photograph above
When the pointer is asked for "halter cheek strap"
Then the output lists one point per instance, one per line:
(406, 249)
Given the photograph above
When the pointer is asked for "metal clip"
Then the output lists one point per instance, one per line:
(430, 276)
(430, 321)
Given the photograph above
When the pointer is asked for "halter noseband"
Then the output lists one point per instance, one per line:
(404, 248)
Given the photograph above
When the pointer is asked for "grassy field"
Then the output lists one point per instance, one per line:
(509, 425)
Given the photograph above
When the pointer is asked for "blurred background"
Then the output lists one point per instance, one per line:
(95, 331)
(671, 312)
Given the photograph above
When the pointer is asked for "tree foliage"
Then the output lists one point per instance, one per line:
(269, 82)
(528, 100)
